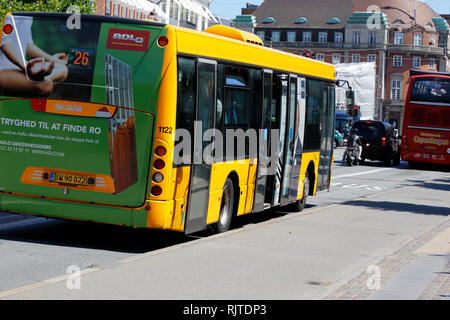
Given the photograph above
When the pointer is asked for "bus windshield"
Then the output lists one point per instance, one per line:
(433, 89)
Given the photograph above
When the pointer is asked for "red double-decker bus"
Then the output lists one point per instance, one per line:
(426, 121)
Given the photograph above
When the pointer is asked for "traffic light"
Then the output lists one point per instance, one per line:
(355, 111)
(350, 102)
(309, 54)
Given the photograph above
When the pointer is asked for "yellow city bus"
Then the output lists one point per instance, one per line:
(115, 105)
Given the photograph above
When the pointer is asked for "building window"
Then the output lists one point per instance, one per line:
(338, 37)
(398, 39)
(261, 34)
(372, 58)
(418, 39)
(307, 36)
(108, 8)
(396, 90)
(320, 56)
(432, 63)
(323, 37)
(291, 36)
(357, 37)
(268, 20)
(336, 58)
(372, 37)
(356, 58)
(398, 61)
(433, 40)
(417, 62)
(276, 36)
(301, 20)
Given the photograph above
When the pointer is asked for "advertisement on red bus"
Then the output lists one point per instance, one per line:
(426, 123)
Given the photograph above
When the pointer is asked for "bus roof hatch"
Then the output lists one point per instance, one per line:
(235, 34)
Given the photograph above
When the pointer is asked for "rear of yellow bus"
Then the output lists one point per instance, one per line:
(79, 97)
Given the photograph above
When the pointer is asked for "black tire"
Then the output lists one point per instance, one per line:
(387, 162)
(349, 161)
(300, 204)
(226, 208)
(397, 159)
(344, 157)
(413, 165)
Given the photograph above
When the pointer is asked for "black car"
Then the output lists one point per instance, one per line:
(380, 141)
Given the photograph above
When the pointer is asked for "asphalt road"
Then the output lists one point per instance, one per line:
(33, 249)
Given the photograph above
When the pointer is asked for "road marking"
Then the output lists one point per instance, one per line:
(359, 173)
(357, 186)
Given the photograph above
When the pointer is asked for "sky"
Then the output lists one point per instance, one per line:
(232, 8)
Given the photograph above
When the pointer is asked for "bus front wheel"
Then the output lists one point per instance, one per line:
(226, 207)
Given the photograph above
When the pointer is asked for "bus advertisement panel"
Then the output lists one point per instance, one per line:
(426, 125)
(83, 129)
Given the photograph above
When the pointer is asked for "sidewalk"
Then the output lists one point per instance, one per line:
(322, 253)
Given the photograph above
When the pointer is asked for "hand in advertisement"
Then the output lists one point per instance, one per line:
(60, 57)
(39, 68)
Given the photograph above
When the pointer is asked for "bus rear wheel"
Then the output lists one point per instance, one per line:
(226, 208)
(300, 204)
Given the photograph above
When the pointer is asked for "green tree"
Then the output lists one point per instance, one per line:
(86, 6)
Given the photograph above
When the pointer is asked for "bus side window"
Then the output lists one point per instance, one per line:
(186, 94)
(220, 96)
(187, 88)
(313, 115)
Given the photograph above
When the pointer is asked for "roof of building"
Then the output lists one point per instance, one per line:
(286, 12)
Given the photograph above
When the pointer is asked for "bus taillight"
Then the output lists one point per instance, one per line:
(158, 177)
(8, 29)
(159, 164)
(383, 140)
(156, 191)
(160, 151)
(163, 41)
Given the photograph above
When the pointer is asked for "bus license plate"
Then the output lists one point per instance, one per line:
(69, 179)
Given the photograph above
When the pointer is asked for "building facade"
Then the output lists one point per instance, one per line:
(398, 35)
(193, 14)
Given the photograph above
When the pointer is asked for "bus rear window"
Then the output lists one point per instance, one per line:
(434, 89)
(369, 131)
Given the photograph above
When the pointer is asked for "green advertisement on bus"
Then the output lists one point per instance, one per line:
(77, 108)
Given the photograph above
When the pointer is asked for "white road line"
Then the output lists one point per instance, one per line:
(359, 173)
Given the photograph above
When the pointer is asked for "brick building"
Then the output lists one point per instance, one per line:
(398, 35)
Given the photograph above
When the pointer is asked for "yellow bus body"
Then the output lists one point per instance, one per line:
(168, 211)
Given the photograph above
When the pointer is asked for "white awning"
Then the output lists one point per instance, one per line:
(197, 8)
(143, 5)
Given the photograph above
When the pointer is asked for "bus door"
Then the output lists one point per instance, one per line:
(280, 100)
(292, 161)
(327, 134)
(201, 172)
(264, 143)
